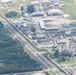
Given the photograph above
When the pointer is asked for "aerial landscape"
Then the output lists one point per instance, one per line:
(37, 37)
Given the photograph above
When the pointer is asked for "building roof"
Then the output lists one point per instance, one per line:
(43, 40)
(41, 23)
(34, 2)
(65, 15)
(37, 14)
(5, 1)
(52, 28)
(51, 11)
(41, 36)
(61, 41)
(68, 32)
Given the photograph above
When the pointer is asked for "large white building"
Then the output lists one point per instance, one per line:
(37, 14)
(6, 1)
(53, 12)
(34, 2)
(41, 24)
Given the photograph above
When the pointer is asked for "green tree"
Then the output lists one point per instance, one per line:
(30, 9)
(61, 59)
(12, 56)
(56, 54)
(11, 14)
(33, 29)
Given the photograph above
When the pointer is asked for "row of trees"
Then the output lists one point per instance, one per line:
(12, 56)
(11, 14)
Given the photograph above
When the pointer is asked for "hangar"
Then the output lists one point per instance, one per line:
(6, 1)
(37, 14)
(54, 12)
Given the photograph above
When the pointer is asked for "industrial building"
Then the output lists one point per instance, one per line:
(37, 14)
(43, 41)
(41, 24)
(41, 36)
(34, 2)
(6, 1)
(54, 12)
(51, 28)
(61, 41)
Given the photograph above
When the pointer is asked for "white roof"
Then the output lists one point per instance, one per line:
(34, 2)
(6, 1)
(42, 24)
(24, 24)
(61, 41)
(37, 13)
(55, 11)
(65, 15)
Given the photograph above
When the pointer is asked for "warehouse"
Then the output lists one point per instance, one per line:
(43, 41)
(51, 28)
(6, 1)
(41, 36)
(37, 14)
(55, 12)
(34, 2)
(41, 24)
(61, 41)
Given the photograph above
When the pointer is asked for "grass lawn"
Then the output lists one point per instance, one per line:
(72, 61)
(23, 74)
(68, 1)
(70, 8)
(73, 24)
(50, 73)
(3, 11)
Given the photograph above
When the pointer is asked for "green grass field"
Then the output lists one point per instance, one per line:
(70, 8)
(72, 61)
(23, 74)
(50, 73)
(3, 11)
(73, 24)
(68, 1)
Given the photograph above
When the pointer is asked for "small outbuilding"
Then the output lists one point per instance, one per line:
(65, 15)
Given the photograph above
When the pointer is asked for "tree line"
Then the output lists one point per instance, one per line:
(13, 59)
